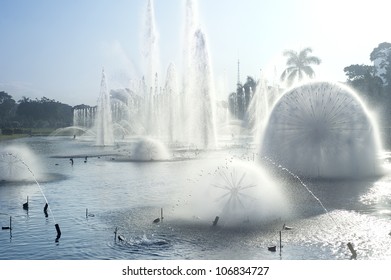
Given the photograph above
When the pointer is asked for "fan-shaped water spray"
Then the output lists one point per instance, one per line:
(322, 129)
(239, 192)
(12, 168)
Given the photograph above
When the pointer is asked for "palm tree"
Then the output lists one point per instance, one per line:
(298, 64)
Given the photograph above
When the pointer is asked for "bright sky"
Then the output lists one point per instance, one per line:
(57, 48)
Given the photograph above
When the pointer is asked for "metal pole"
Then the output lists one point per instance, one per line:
(280, 242)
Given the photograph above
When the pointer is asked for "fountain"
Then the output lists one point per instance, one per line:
(322, 129)
(148, 149)
(104, 125)
(15, 162)
(181, 113)
(200, 96)
(12, 169)
(236, 193)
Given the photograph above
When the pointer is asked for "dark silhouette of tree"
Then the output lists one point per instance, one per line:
(387, 75)
(249, 88)
(7, 108)
(362, 78)
(240, 100)
(299, 65)
(381, 51)
(381, 57)
(44, 112)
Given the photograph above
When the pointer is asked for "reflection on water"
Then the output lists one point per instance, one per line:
(129, 195)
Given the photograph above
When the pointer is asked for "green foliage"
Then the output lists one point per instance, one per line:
(240, 100)
(373, 83)
(28, 113)
(375, 86)
(44, 113)
(299, 65)
(363, 79)
(7, 108)
(357, 72)
(380, 51)
(387, 75)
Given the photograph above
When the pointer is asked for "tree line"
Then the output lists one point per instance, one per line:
(372, 82)
(25, 114)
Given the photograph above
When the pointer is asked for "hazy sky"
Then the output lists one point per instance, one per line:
(57, 48)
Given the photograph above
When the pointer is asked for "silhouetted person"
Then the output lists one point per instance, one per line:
(85, 159)
(71, 159)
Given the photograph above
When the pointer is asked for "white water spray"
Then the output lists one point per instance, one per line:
(322, 129)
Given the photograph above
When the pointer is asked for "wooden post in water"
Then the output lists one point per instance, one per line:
(45, 210)
(216, 221)
(161, 214)
(26, 205)
(354, 253)
(58, 232)
(115, 234)
(280, 242)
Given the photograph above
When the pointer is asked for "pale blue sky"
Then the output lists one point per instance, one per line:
(57, 48)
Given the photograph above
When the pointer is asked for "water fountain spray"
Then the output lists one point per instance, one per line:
(44, 196)
(322, 129)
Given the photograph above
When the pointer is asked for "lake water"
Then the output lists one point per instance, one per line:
(127, 196)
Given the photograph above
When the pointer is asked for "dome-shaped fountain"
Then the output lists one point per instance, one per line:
(149, 149)
(18, 163)
(238, 192)
(322, 129)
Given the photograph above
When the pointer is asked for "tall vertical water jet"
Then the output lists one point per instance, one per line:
(258, 108)
(198, 93)
(84, 116)
(202, 96)
(150, 47)
(190, 27)
(104, 124)
(322, 129)
(150, 51)
(172, 108)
